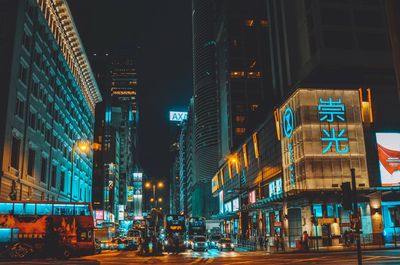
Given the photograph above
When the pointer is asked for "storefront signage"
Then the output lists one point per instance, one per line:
(317, 151)
(277, 224)
(389, 158)
(332, 112)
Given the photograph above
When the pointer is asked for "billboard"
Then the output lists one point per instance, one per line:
(322, 138)
(129, 194)
(389, 158)
(177, 116)
(121, 212)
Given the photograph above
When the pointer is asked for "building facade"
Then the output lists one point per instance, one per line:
(205, 106)
(116, 130)
(243, 81)
(285, 178)
(48, 104)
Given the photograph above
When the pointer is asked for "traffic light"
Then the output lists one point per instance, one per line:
(346, 196)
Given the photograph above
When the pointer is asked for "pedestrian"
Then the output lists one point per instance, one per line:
(261, 241)
(281, 242)
(276, 241)
(305, 241)
(346, 238)
(266, 242)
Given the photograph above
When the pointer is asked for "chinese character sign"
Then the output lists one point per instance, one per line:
(332, 112)
(322, 137)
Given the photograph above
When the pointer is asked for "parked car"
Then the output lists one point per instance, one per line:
(225, 243)
(199, 243)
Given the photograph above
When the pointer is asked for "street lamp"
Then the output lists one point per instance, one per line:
(159, 185)
(83, 146)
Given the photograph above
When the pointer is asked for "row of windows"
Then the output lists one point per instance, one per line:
(15, 157)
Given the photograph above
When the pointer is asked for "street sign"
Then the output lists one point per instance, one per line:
(345, 224)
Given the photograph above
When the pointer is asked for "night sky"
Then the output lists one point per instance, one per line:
(159, 33)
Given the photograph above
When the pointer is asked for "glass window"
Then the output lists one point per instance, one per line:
(31, 161)
(6, 208)
(82, 209)
(24, 208)
(43, 171)
(16, 143)
(44, 209)
(63, 209)
(317, 210)
(330, 210)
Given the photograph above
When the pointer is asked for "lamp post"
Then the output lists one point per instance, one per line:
(82, 146)
(153, 186)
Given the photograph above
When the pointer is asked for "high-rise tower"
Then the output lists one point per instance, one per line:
(205, 105)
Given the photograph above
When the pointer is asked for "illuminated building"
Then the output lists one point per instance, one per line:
(116, 123)
(48, 100)
(290, 168)
(205, 106)
(243, 70)
(186, 162)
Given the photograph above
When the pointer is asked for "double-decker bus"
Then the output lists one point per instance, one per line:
(196, 226)
(175, 227)
(60, 229)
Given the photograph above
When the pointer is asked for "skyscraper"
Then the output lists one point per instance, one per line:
(243, 70)
(116, 129)
(205, 106)
(49, 97)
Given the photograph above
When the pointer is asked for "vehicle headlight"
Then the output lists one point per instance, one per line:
(223, 245)
(195, 244)
(232, 245)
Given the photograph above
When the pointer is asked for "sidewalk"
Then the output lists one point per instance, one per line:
(272, 250)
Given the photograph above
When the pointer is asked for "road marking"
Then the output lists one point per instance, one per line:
(210, 260)
(197, 260)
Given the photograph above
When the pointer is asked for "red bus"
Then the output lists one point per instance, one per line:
(59, 229)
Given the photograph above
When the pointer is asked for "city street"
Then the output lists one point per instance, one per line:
(217, 257)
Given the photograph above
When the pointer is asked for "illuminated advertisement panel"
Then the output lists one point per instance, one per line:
(321, 139)
(129, 193)
(389, 158)
(177, 116)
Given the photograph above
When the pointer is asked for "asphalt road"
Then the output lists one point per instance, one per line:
(217, 257)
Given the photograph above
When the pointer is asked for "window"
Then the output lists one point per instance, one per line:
(240, 131)
(53, 175)
(237, 74)
(32, 120)
(44, 209)
(43, 171)
(31, 161)
(24, 208)
(16, 145)
(264, 23)
(19, 108)
(317, 210)
(27, 41)
(249, 23)
(23, 74)
(240, 119)
(62, 181)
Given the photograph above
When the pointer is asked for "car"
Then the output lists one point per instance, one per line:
(225, 243)
(199, 243)
(213, 241)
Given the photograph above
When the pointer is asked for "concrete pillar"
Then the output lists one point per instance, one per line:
(375, 203)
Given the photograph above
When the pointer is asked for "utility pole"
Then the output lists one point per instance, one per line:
(356, 217)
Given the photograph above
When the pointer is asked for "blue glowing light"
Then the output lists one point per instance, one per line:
(331, 109)
(334, 139)
(288, 122)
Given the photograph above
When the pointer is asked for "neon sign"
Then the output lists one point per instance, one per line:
(330, 111)
(288, 127)
(177, 116)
